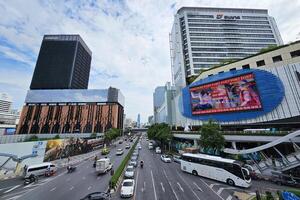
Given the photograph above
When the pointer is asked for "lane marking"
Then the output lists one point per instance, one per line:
(170, 184)
(229, 197)
(136, 181)
(53, 189)
(5, 188)
(153, 185)
(162, 186)
(197, 186)
(17, 193)
(11, 189)
(14, 197)
(144, 187)
(90, 187)
(214, 184)
(29, 185)
(180, 187)
(220, 190)
(188, 185)
(71, 188)
(211, 188)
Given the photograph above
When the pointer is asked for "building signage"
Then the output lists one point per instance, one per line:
(234, 94)
(226, 17)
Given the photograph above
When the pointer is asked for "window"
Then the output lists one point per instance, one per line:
(210, 74)
(232, 69)
(246, 66)
(277, 58)
(260, 63)
(295, 53)
(221, 72)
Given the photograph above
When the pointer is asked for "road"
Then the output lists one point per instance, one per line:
(165, 181)
(63, 186)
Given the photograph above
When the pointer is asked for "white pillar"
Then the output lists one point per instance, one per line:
(233, 144)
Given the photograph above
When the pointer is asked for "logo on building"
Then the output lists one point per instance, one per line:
(221, 16)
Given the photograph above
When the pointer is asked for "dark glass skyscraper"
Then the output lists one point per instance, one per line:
(64, 62)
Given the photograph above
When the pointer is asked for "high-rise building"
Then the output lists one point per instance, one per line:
(64, 62)
(139, 121)
(7, 115)
(204, 37)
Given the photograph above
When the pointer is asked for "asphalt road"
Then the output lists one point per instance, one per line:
(63, 186)
(165, 181)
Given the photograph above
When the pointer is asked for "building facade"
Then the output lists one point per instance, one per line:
(64, 62)
(259, 91)
(7, 115)
(72, 111)
(204, 37)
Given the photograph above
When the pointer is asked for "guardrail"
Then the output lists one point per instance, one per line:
(259, 133)
(23, 137)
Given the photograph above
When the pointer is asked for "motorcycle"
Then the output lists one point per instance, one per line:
(71, 169)
(142, 164)
(31, 179)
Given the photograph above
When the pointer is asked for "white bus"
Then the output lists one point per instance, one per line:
(217, 168)
(39, 169)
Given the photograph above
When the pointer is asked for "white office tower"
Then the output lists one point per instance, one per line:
(5, 103)
(204, 37)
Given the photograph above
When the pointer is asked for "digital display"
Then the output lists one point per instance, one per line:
(233, 94)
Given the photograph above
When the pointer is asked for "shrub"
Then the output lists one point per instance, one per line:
(32, 138)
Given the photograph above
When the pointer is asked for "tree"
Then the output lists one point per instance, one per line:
(111, 134)
(160, 132)
(211, 137)
(268, 48)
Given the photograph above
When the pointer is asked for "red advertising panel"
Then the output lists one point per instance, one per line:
(234, 94)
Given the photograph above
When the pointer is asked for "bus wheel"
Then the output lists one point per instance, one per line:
(230, 182)
(195, 173)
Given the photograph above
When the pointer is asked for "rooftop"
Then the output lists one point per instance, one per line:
(215, 9)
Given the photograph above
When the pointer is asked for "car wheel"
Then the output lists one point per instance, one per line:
(230, 182)
(195, 173)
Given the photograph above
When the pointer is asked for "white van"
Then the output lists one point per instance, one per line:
(103, 165)
(150, 145)
(39, 169)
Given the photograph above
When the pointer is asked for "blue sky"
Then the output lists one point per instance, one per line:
(129, 40)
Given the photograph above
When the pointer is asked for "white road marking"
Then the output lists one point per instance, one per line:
(197, 186)
(229, 197)
(162, 186)
(187, 185)
(170, 185)
(137, 178)
(220, 190)
(210, 187)
(17, 193)
(90, 187)
(144, 187)
(71, 188)
(53, 189)
(29, 185)
(83, 178)
(5, 188)
(180, 187)
(11, 189)
(14, 197)
(155, 196)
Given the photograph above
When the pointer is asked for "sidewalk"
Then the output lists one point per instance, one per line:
(9, 174)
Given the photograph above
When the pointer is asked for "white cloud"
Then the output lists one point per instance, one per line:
(129, 39)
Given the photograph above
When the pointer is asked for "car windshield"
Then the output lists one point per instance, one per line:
(128, 184)
(129, 169)
(119, 149)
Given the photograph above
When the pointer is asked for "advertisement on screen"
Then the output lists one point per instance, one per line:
(229, 95)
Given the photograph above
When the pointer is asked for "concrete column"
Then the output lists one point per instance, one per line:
(233, 144)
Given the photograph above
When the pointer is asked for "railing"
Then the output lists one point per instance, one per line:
(259, 133)
(23, 137)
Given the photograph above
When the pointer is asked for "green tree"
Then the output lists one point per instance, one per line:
(268, 48)
(56, 137)
(111, 134)
(160, 132)
(211, 137)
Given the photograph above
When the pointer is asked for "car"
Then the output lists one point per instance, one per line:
(129, 172)
(127, 146)
(135, 153)
(119, 152)
(157, 150)
(133, 163)
(127, 188)
(134, 158)
(177, 158)
(121, 141)
(96, 196)
(105, 151)
(165, 158)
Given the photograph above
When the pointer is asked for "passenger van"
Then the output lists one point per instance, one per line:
(39, 169)
(103, 165)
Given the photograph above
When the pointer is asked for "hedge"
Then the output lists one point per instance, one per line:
(114, 179)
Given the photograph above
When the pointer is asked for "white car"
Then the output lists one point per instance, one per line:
(157, 150)
(119, 152)
(140, 147)
(165, 158)
(127, 146)
(127, 188)
(129, 173)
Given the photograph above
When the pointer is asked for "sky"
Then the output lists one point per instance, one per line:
(129, 41)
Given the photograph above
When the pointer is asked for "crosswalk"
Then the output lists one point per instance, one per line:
(223, 191)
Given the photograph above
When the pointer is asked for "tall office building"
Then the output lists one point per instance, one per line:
(5, 103)
(204, 37)
(64, 62)
(7, 115)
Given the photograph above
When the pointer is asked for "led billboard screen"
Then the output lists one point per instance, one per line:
(233, 94)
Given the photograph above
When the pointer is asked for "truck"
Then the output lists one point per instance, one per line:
(103, 165)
